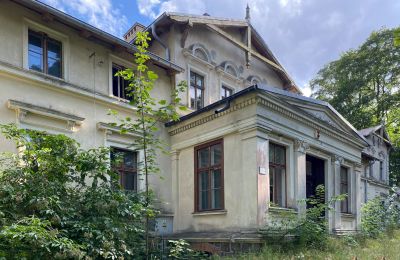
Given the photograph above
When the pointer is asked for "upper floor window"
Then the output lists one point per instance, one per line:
(196, 91)
(120, 86)
(277, 175)
(344, 189)
(209, 180)
(381, 174)
(125, 163)
(44, 54)
(226, 92)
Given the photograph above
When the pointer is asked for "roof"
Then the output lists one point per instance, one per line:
(274, 91)
(226, 22)
(91, 31)
(367, 131)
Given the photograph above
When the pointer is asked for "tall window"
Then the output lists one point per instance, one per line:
(277, 174)
(226, 92)
(196, 90)
(119, 84)
(344, 189)
(44, 54)
(371, 169)
(209, 176)
(125, 163)
(381, 171)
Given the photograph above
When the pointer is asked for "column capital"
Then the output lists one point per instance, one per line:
(338, 160)
(175, 154)
(302, 146)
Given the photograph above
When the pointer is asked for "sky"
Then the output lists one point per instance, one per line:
(303, 34)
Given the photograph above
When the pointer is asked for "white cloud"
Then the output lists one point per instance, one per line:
(99, 13)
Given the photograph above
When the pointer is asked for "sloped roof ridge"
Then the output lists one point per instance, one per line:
(368, 130)
(209, 17)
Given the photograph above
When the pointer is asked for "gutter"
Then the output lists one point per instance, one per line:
(102, 35)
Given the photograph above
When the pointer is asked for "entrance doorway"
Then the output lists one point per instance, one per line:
(315, 175)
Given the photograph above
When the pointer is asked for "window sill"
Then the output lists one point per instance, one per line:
(210, 212)
(281, 210)
(347, 215)
(123, 100)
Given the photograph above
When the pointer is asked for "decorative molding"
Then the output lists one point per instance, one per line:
(337, 160)
(188, 54)
(110, 129)
(24, 109)
(302, 146)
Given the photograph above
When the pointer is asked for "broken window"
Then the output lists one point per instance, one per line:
(44, 54)
(226, 92)
(196, 91)
(124, 162)
(120, 86)
(209, 180)
(344, 189)
(277, 175)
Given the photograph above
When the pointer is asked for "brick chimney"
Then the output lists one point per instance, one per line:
(131, 33)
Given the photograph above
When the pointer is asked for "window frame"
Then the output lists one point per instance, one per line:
(225, 88)
(45, 39)
(134, 171)
(196, 174)
(278, 166)
(196, 87)
(381, 171)
(121, 67)
(346, 200)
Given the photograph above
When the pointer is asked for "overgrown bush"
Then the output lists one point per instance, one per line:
(307, 230)
(59, 201)
(380, 215)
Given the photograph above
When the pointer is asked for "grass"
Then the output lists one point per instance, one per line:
(384, 247)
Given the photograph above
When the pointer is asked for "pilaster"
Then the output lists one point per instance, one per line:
(337, 218)
(301, 148)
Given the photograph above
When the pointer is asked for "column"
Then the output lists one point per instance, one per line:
(300, 174)
(337, 217)
(175, 186)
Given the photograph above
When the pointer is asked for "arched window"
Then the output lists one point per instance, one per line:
(230, 68)
(200, 52)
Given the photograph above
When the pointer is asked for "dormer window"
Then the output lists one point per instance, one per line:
(44, 54)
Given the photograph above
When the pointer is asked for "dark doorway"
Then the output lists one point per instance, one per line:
(315, 175)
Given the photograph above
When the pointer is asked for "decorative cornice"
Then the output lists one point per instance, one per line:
(213, 116)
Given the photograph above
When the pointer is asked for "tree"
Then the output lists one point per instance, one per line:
(363, 85)
(59, 201)
(149, 114)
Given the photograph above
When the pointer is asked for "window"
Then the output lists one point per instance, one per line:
(120, 86)
(381, 171)
(44, 54)
(125, 163)
(344, 189)
(226, 92)
(196, 91)
(209, 176)
(277, 175)
(371, 169)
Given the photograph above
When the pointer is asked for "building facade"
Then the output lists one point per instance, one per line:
(250, 145)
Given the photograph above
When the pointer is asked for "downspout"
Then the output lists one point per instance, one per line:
(225, 107)
(155, 36)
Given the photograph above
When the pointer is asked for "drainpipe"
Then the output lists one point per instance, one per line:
(226, 107)
(155, 36)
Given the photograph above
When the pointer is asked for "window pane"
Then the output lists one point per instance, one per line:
(223, 92)
(216, 179)
(54, 67)
(199, 99)
(115, 82)
(192, 79)
(35, 52)
(53, 49)
(216, 199)
(129, 181)
(203, 190)
(203, 158)
(192, 97)
(199, 81)
(216, 154)
(130, 159)
(279, 155)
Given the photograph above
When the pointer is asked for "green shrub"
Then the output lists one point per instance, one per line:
(59, 200)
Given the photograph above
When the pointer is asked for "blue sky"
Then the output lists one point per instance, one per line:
(303, 34)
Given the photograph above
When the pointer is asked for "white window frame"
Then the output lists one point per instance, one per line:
(351, 186)
(65, 46)
(112, 59)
